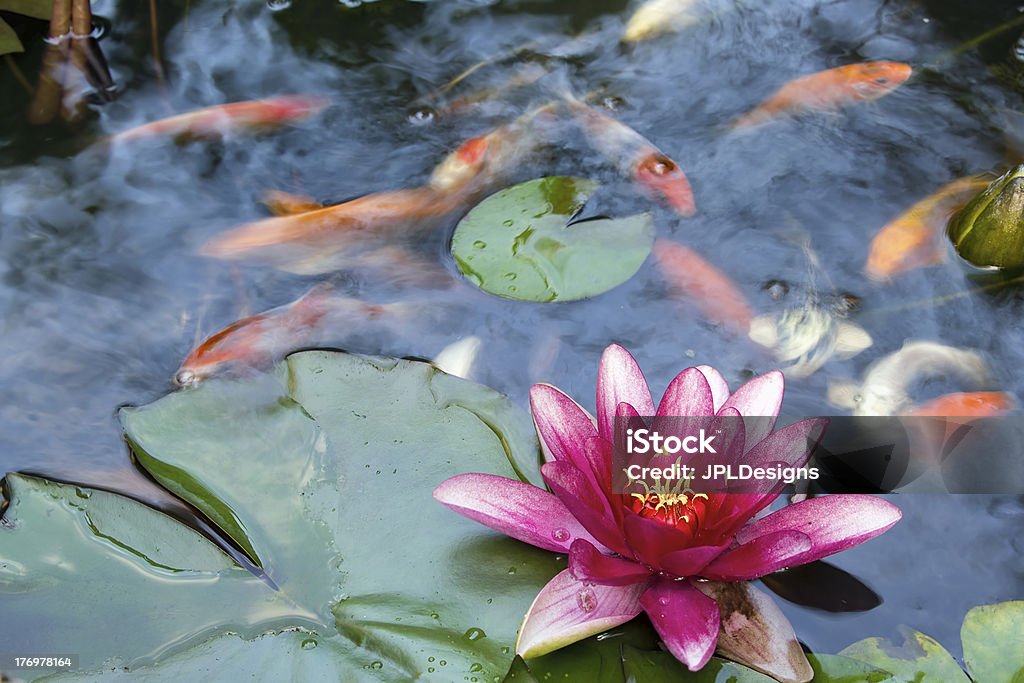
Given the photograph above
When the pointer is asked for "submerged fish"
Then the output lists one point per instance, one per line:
(808, 337)
(637, 157)
(335, 236)
(658, 17)
(888, 381)
(261, 340)
(914, 238)
(340, 236)
(829, 90)
(693, 279)
(225, 118)
(965, 404)
(282, 203)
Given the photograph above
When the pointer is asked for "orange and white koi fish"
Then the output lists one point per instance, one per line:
(225, 118)
(914, 238)
(829, 90)
(964, 404)
(695, 280)
(282, 203)
(261, 340)
(887, 382)
(637, 157)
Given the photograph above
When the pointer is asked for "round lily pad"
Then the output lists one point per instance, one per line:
(521, 243)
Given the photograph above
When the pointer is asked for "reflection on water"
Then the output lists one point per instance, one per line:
(103, 293)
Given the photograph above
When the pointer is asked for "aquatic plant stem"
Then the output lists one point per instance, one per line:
(18, 75)
(154, 37)
(46, 102)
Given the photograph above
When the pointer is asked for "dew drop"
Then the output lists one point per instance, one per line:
(586, 600)
(511, 570)
(475, 634)
(663, 600)
(430, 669)
(430, 659)
(476, 667)
(508, 223)
(443, 663)
(510, 276)
(308, 644)
(560, 535)
(434, 615)
(377, 665)
(479, 244)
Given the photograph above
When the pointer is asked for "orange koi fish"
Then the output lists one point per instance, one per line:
(224, 118)
(829, 90)
(323, 239)
(694, 279)
(914, 239)
(637, 157)
(263, 339)
(330, 238)
(964, 404)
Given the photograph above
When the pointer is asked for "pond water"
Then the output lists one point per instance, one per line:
(103, 292)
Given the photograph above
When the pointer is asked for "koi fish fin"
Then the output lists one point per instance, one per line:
(843, 393)
(459, 357)
(850, 340)
(764, 330)
(286, 203)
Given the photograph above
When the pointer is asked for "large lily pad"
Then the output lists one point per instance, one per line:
(519, 243)
(993, 639)
(322, 473)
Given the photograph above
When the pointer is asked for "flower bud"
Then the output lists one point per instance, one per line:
(989, 231)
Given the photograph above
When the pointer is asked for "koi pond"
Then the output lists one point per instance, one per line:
(300, 297)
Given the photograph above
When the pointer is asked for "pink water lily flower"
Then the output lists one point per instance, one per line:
(687, 564)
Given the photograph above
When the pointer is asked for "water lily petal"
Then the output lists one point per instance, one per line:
(517, 509)
(791, 445)
(650, 540)
(833, 523)
(690, 561)
(619, 380)
(725, 514)
(563, 426)
(686, 619)
(688, 394)
(760, 398)
(586, 504)
(719, 387)
(567, 610)
(755, 632)
(587, 563)
(762, 556)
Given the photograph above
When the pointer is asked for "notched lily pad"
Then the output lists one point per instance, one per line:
(519, 243)
(920, 659)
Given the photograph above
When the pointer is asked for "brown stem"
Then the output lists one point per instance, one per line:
(154, 37)
(46, 102)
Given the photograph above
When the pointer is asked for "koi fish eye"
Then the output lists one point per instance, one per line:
(659, 166)
(882, 80)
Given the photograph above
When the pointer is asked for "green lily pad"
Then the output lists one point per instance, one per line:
(519, 243)
(836, 669)
(920, 659)
(993, 639)
(642, 666)
(323, 472)
(989, 231)
(40, 9)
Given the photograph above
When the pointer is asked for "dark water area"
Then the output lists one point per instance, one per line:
(103, 293)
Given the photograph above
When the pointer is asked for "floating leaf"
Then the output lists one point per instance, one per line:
(920, 659)
(9, 39)
(39, 9)
(993, 639)
(519, 243)
(655, 666)
(836, 669)
(324, 472)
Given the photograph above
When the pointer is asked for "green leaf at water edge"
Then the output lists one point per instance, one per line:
(836, 669)
(39, 9)
(993, 640)
(9, 39)
(920, 659)
(325, 471)
(518, 243)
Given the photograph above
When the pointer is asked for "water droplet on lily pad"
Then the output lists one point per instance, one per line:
(308, 644)
(475, 634)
